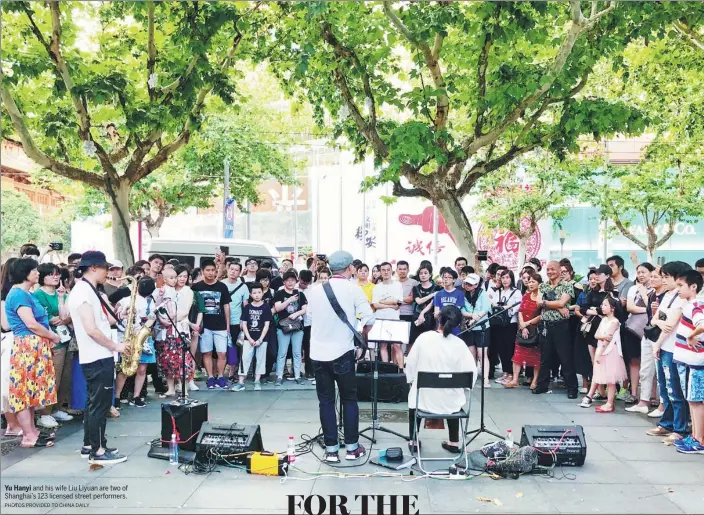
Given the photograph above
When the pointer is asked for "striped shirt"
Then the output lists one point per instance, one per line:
(692, 316)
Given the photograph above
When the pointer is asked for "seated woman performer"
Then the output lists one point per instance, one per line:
(439, 351)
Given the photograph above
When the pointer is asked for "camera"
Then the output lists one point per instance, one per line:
(56, 245)
(322, 257)
(482, 255)
(161, 310)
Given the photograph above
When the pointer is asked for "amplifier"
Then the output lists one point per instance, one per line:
(189, 417)
(232, 442)
(559, 445)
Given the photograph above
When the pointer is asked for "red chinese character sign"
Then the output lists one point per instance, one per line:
(503, 245)
(424, 220)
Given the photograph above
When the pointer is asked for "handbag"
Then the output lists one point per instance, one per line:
(652, 332)
(289, 326)
(586, 326)
(636, 323)
(532, 340)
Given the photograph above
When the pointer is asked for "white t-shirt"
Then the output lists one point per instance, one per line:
(392, 291)
(677, 303)
(330, 338)
(509, 298)
(88, 349)
(432, 352)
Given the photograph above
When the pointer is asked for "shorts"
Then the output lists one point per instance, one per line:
(692, 381)
(475, 339)
(210, 339)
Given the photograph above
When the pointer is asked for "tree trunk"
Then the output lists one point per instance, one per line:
(121, 240)
(458, 224)
(651, 255)
(154, 230)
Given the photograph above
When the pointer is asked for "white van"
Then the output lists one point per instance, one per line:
(193, 252)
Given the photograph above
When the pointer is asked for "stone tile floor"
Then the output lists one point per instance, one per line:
(626, 470)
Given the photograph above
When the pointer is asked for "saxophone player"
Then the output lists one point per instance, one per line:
(91, 322)
(144, 310)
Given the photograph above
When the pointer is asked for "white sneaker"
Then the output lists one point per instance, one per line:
(62, 416)
(583, 390)
(637, 409)
(192, 386)
(656, 413)
(47, 421)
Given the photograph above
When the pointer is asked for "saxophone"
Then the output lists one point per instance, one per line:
(134, 343)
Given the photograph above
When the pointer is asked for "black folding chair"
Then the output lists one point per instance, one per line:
(442, 380)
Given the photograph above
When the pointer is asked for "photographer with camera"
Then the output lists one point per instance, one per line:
(555, 296)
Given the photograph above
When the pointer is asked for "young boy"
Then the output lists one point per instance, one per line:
(689, 357)
(256, 319)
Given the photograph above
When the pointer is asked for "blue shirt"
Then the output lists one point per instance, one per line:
(18, 298)
(482, 305)
(454, 298)
(237, 298)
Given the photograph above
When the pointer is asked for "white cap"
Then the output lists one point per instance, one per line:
(116, 263)
(472, 279)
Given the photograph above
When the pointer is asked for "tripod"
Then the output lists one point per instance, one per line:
(376, 425)
(482, 427)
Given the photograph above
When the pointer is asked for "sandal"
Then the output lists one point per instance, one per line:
(658, 431)
(413, 447)
(40, 442)
(601, 409)
(454, 449)
(13, 435)
(510, 385)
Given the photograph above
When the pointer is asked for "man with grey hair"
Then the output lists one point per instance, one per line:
(333, 355)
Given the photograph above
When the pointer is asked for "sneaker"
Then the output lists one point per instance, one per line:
(502, 380)
(139, 402)
(583, 390)
(107, 458)
(630, 399)
(638, 409)
(300, 380)
(47, 421)
(279, 382)
(211, 383)
(656, 413)
(356, 454)
(684, 441)
(598, 397)
(222, 382)
(199, 375)
(312, 381)
(238, 387)
(622, 394)
(586, 402)
(692, 446)
(124, 400)
(85, 451)
(331, 457)
(192, 386)
(62, 416)
(257, 386)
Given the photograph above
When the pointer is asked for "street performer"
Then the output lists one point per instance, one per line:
(333, 354)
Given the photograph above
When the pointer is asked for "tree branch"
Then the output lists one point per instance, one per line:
(369, 130)
(39, 157)
(151, 48)
(399, 191)
(484, 167)
(667, 235)
(690, 36)
(431, 56)
(626, 233)
(35, 28)
(579, 25)
(481, 84)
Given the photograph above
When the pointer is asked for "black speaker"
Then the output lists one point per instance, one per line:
(367, 367)
(391, 387)
(188, 418)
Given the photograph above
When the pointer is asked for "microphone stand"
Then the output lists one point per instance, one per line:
(183, 337)
(482, 427)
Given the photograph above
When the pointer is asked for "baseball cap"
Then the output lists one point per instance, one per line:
(93, 258)
(339, 260)
(116, 263)
(604, 269)
(472, 279)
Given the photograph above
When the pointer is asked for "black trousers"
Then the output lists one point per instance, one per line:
(272, 349)
(453, 426)
(99, 381)
(557, 339)
(505, 340)
(308, 363)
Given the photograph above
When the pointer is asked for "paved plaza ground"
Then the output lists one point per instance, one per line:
(626, 471)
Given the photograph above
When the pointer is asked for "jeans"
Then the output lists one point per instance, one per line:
(99, 379)
(557, 340)
(327, 374)
(647, 369)
(296, 340)
(675, 415)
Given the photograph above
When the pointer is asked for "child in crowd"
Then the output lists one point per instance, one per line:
(256, 321)
(689, 357)
(609, 367)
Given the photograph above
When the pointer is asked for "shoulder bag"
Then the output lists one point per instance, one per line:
(652, 332)
(359, 341)
(636, 323)
(532, 340)
(502, 319)
(288, 325)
